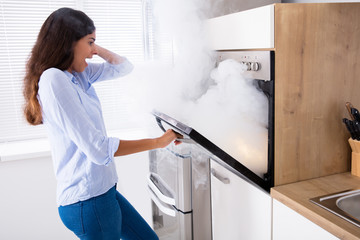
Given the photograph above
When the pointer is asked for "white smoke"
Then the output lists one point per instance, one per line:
(233, 114)
(218, 102)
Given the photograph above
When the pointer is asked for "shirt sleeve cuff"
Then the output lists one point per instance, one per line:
(113, 147)
(123, 68)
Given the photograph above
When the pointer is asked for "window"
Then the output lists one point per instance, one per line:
(122, 26)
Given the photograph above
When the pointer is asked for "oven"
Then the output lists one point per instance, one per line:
(259, 67)
(179, 179)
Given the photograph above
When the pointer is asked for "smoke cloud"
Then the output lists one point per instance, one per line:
(218, 102)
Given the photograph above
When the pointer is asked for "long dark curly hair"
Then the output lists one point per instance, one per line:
(54, 47)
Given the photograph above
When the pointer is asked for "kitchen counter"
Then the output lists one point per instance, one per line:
(296, 196)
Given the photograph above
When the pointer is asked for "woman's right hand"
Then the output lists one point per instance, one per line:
(134, 146)
(168, 137)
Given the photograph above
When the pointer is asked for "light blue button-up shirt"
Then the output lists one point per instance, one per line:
(82, 152)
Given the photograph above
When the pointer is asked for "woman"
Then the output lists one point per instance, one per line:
(59, 93)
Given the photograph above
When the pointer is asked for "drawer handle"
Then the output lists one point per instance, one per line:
(156, 190)
(162, 207)
(222, 179)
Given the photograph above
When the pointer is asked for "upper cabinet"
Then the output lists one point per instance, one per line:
(250, 29)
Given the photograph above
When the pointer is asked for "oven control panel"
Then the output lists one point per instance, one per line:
(251, 66)
(257, 63)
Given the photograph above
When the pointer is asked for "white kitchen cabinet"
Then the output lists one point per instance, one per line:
(239, 210)
(259, 34)
(288, 224)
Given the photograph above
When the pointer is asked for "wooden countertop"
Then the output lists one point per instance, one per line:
(296, 196)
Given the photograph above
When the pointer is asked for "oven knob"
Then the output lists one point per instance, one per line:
(247, 65)
(255, 66)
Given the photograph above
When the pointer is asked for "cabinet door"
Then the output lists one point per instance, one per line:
(288, 224)
(239, 210)
(259, 34)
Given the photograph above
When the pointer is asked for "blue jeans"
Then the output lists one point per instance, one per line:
(106, 217)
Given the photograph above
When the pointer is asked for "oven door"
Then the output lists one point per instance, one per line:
(191, 135)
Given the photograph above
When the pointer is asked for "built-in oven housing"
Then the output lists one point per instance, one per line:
(260, 67)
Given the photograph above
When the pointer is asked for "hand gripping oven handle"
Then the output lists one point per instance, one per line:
(183, 138)
(160, 124)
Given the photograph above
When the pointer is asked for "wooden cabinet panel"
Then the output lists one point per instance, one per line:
(317, 54)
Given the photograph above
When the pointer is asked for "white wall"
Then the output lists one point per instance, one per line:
(27, 203)
(28, 208)
(222, 7)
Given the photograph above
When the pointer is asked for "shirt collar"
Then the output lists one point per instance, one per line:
(70, 76)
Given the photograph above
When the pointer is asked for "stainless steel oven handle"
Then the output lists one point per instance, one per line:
(163, 208)
(222, 179)
(158, 193)
(179, 128)
(158, 120)
(182, 138)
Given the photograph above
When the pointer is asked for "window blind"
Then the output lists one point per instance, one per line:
(20, 22)
(120, 28)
